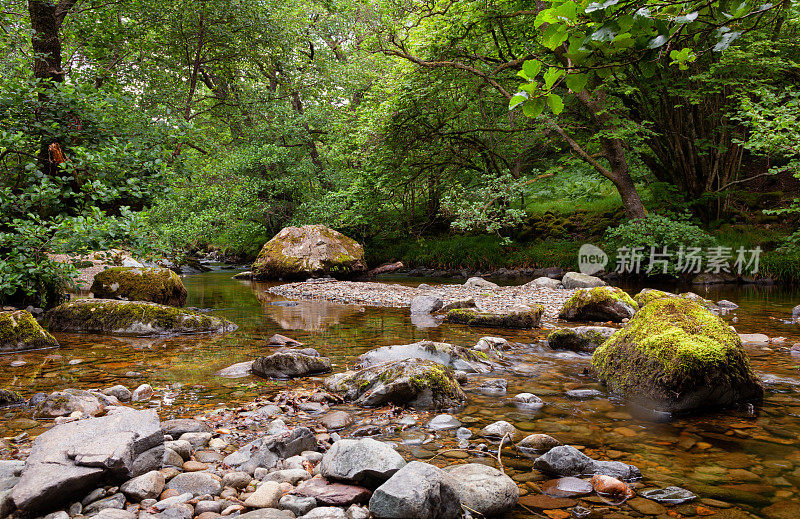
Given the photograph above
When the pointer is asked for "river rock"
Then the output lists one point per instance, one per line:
(298, 505)
(520, 318)
(269, 449)
(466, 302)
(143, 393)
(599, 304)
(267, 513)
(417, 490)
(648, 295)
(543, 282)
(528, 401)
(611, 487)
(68, 401)
(266, 495)
(290, 364)
(670, 495)
(310, 250)
(332, 494)
(413, 382)
(426, 304)
(19, 331)
(120, 392)
(444, 422)
(180, 426)
(538, 442)
(500, 429)
(565, 461)
(335, 420)
(476, 282)
(493, 387)
(238, 370)
(486, 344)
(581, 339)
(196, 483)
(484, 489)
(577, 280)
(146, 486)
(676, 356)
(454, 357)
(156, 285)
(131, 318)
(364, 461)
(70, 459)
(325, 512)
(567, 487)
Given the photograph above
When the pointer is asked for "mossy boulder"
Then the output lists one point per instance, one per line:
(454, 357)
(19, 331)
(676, 356)
(599, 304)
(581, 339)
(648, 295)
(9, 397)
(522, 318)
(131, 318)
(422, 384)
(310, 250)
(156, 285)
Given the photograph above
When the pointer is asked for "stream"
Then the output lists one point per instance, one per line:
(747, 458)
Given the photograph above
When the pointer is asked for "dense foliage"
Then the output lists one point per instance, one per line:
(174, 127)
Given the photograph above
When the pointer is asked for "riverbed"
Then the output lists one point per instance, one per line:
(746, 458)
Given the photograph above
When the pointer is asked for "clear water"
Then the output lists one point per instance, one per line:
(747, 458)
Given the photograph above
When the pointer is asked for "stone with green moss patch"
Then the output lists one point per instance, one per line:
(454, 357)
(19, 331)
(529, 317)
(156, 285)
(422, 384)
(676, 356)
(581, 339)
(599, 304)
(132, 318)
(310, 250)
(648, 295)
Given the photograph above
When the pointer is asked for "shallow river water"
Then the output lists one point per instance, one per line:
(746, 458)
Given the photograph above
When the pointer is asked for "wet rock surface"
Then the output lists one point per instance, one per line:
(454, 357)
(290, 364)
(19, 331)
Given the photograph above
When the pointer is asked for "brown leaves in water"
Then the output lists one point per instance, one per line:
(612, 488)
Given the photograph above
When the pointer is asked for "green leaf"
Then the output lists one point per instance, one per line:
(551, 76)
(517, 100)
(555, 103)
(554, 36)
(544, 16)
(533, 107)
(531, 68)
(577, 82)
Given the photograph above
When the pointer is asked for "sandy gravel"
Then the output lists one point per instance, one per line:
(498, 300)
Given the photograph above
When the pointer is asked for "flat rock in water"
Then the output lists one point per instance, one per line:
(567, 487)
(66, 402)
(670, 495)
(238, 370)
(444, 422)
(70, 459)
(581, 339)
(336, 420)
(519, 318)
(426, 304)
(290, 364)
(538, 442)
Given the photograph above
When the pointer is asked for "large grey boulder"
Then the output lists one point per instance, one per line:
(454, 357)
(19, 331)
(417, 490)
(66, 402)
(131, 318)
(72, 458)
(154, 284)
(484, 489)
(426, 304)
(578, 280)
(290, 364)
(421, 384)
(367, 462)
(476, 282)
(543, 282)
(310, 250)
(268, 450)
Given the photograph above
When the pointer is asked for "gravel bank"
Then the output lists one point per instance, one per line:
(498, 300)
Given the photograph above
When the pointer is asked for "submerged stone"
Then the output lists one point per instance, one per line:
(676, 356)
(670, 495)
(290, 364)
(581, 339)
(19, 331)
(310, 250)
(156, 285)
(414, 382)
(131, 318)
(523, 318)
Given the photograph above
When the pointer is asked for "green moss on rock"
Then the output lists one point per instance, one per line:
(523, 319)
(19, 331)
(416, 383)
(649, 295)
(310, 250)
(131, 318)
(676, 356)
(599, 304)
(449, 355)
(156, 285)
